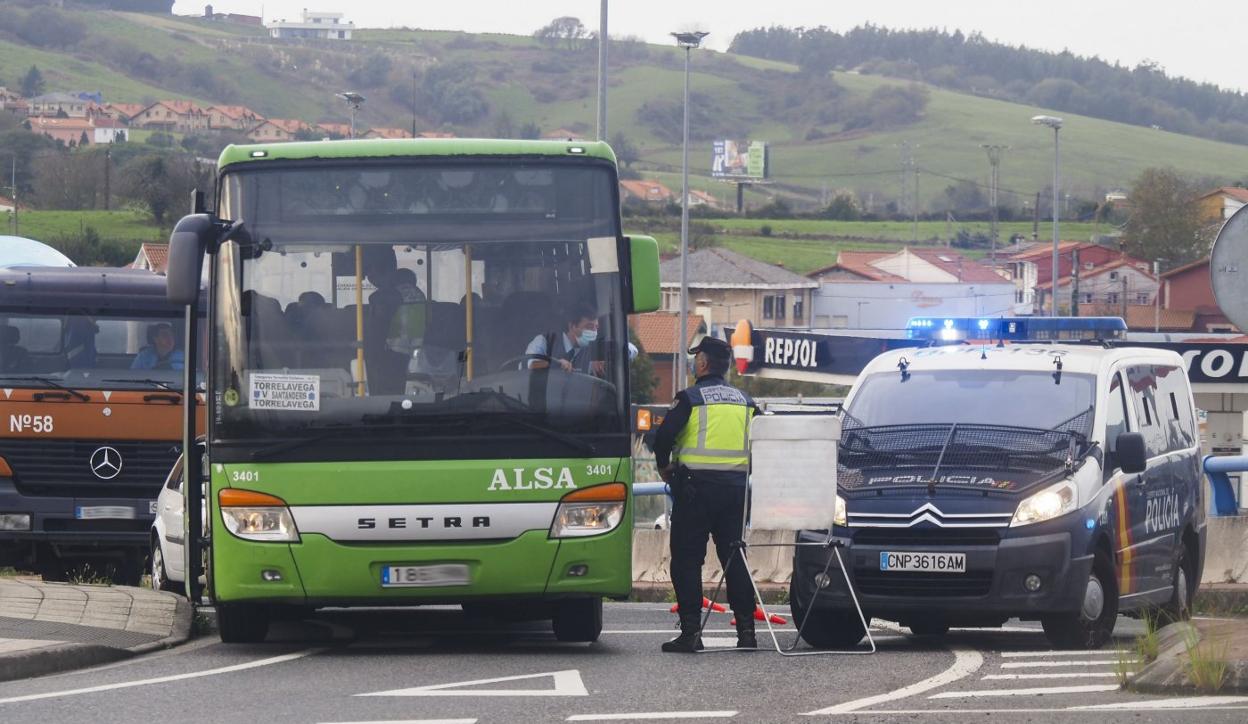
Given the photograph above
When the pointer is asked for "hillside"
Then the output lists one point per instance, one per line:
(512, 84)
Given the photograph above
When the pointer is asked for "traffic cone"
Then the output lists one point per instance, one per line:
(758, 616)
(706, 603)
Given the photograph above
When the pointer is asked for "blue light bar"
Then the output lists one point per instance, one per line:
(961, 329)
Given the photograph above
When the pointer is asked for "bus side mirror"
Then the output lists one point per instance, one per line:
(1130, 452)
(644, 263)
(187, 244)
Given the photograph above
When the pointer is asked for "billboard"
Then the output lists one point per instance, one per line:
(739, 159)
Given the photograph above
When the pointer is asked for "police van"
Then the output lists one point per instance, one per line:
(1004, 472)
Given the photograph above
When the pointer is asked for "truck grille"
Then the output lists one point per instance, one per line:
(905, 583)
(63, 467)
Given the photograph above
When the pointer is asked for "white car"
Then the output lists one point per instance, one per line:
(168, 568)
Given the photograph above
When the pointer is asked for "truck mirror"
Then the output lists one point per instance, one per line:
(187, 244)
(644, 262)
(1130, 452)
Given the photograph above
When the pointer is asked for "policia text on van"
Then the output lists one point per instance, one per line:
(1040, 481)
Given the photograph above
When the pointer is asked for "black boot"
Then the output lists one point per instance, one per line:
(745, 634)
(689, 641)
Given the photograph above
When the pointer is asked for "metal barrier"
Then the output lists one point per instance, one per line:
(656, 488)
(1217, 467)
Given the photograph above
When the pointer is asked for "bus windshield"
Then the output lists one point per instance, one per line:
(418, 325)
(91, 349)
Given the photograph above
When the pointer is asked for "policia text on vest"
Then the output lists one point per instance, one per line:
(702, 451)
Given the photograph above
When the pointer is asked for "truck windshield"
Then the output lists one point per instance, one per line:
(91, 349)
(419, 323)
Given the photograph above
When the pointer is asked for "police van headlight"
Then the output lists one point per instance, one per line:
(590, 511)
(257, 516)
(1050, 503)
(840, 516)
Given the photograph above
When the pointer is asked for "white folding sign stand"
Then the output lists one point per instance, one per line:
(792, 487)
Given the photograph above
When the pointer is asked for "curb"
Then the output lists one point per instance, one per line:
(1168, 674)
(69, 656)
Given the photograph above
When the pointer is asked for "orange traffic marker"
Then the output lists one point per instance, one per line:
(758, 616)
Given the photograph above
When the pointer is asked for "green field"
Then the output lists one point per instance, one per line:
(901, 231)
(52, 225)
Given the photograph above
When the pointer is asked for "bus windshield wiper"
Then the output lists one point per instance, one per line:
(153, 383)
(50, 383)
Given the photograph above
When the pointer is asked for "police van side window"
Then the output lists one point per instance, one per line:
(1115, 420)
(1142, 379)
(1176, 407)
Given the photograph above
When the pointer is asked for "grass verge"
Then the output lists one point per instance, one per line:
(1206, 664)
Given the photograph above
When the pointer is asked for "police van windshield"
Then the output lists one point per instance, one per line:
(1032, 399)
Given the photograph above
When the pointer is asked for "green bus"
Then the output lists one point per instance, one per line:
(397, 413)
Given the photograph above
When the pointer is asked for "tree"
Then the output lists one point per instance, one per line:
(67, 180)
(566, 31)
(1165, 221)
(162, 182)
(529, 130)
(625, 150)
(373, 73)
(642, 379)
(33, 83)
(447, 93)
(842, 207)
(503, 126)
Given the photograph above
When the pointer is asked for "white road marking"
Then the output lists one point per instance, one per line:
(718, 643)
(965, 663)
(640, 715)
(1189, 702)
(409, 721)
(1072, 675)
(1038, 691)
(1050, 664)
(164, 679)
(1028, 654)
(964, 712)
(567, 683)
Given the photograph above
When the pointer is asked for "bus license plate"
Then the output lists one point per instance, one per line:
(923, 562)
(443, 574)
(104, 512)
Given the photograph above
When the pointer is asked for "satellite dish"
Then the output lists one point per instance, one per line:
(1228, 267)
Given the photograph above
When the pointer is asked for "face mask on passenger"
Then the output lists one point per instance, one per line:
(588, 336)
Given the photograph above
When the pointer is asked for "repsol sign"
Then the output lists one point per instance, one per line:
(792, 351)
(1212, 362)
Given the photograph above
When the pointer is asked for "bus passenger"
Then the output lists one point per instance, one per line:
(162, 351)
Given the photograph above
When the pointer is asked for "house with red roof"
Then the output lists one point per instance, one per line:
(79, 131)
(1189, 288)
(232, 118)
(172, 115)
(390, 133)
(435, 134)
(1116, 285)
(646, 192)
(334, 130)
(277, 129)
(659, 336)
(1217, 205)
(884, 289)
(152, 257)
(123, 111)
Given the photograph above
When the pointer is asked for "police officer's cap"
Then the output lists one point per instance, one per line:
(714, 348)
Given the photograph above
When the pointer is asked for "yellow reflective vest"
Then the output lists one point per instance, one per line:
(717, 436)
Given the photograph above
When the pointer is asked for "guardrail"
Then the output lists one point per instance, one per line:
(1217, 468)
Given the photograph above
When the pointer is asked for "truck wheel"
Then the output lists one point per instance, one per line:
(1092, 626)
(1179, 608)
(578, 619)
(240, 623)
(829, 628)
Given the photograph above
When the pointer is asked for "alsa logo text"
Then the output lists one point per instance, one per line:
(541, 479)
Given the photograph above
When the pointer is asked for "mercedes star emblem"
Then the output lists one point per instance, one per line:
(106, 463)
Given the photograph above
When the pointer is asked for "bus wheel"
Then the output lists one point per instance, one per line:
(1093, 624)
(828, 628)
(1179, 608)
(241, 623)
(578, 619)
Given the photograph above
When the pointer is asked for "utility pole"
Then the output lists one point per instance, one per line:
(1124, 296)
(13, 188)
(602, 72)
(994, 159)
(907, 164)
(413, 103)
(108, 172)
(914, 232)
(1157, 297)
(1035, 220)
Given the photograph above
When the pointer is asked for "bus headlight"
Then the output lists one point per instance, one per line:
(590, 511)
(257, 516)
(840, 516)
(1053, 501)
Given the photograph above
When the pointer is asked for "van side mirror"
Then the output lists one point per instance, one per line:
(643, 254)
(189, 241)
(1130, 452)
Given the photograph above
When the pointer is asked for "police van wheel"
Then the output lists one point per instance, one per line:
(1092, 626)
(240, 623)
(1179, 608)
(828, 629)
(578, 619)
(929, 628)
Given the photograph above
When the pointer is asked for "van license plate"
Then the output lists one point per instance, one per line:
(923, 562)
(443, 574)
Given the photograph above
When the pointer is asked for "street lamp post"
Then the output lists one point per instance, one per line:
(603, 40)
(688, 41)
(354, 100)
(1056, 124)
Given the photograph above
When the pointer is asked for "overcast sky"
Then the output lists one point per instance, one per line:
(1196, 38)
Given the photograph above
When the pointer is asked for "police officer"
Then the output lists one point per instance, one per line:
(702, 451)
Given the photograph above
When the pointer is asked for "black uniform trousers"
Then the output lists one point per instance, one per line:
(715, 510)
